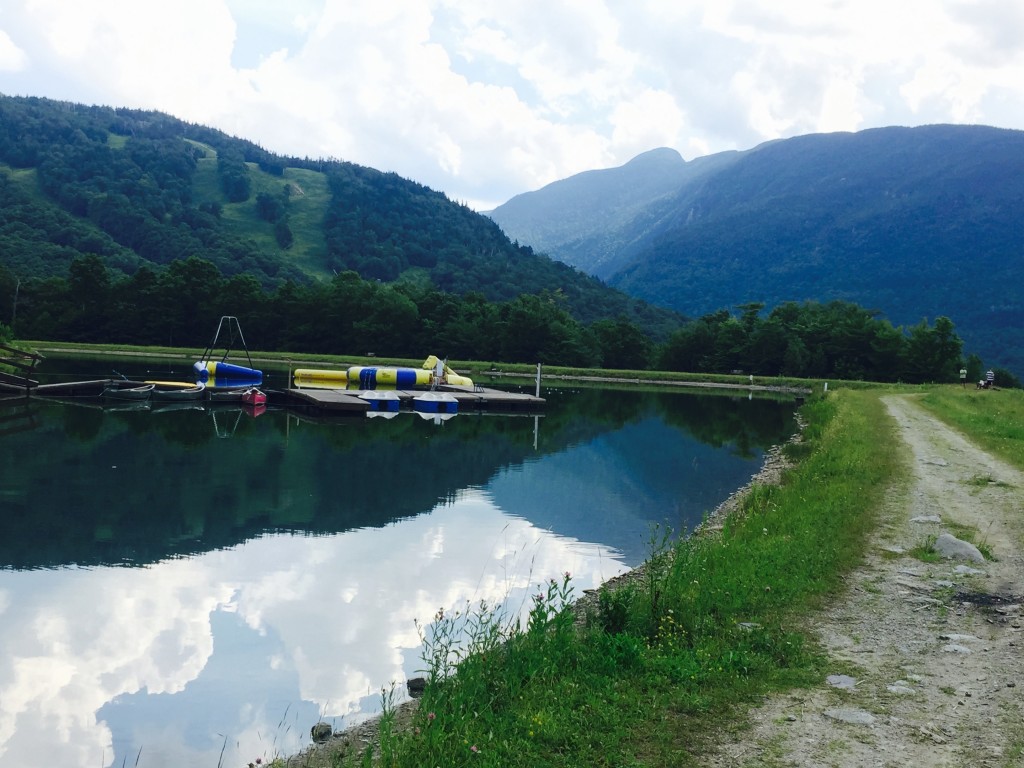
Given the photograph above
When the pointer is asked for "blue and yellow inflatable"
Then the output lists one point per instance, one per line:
(226, 374)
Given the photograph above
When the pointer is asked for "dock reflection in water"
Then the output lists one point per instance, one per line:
(167, 593)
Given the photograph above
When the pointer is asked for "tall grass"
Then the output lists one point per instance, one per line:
(994, 419)
(714, 621)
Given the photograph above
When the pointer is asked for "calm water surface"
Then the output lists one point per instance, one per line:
(198, 587)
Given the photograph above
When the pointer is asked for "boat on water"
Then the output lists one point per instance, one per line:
(225, 394)
(254, 396)
(116, 390)
(177, 391)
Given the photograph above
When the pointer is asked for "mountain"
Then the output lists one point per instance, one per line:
(144, 189)
(914, 222)
(580, 220)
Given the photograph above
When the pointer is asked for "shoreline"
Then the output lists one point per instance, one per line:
(187, 354)
(353, 740)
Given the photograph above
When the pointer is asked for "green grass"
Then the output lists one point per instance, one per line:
(925, 551)
(27, 180)
(994, 419)
(660, 667)
(984, 481)
(307, 205)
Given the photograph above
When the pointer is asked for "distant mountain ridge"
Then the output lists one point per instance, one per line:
(915, 222)
(593, 207)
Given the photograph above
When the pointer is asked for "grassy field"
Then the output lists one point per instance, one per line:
(307, 205)
(994, 419)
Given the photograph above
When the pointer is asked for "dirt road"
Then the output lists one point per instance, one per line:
(928, 657)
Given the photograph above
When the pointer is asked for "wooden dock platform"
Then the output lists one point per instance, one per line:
(348, 401)
(326, 402)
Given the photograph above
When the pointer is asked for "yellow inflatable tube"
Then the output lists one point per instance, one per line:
(313, 377)
(371, 377)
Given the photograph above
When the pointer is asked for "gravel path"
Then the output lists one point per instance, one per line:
(928, 657)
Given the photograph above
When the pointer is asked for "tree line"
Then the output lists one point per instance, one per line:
(125, 185)
(179, 305)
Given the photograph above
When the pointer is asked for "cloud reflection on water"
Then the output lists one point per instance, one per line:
(116, 659)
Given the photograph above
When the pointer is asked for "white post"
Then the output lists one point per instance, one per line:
(538, 379)
(826, 386)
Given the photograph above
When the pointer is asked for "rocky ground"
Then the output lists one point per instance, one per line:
(928, 657)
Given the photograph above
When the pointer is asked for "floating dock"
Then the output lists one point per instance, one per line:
(326, 402)
(349, 400)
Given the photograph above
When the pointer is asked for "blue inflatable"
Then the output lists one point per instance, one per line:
(227, 374)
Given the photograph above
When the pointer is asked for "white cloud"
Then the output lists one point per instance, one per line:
(12, 58)
(73, 647)
(487, 99)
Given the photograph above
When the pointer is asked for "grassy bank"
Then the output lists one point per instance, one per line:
(994, 419)
(713, 623)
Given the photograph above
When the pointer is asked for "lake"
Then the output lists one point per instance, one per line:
(199, 587)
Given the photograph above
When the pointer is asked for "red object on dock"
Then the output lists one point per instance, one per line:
(254, 396)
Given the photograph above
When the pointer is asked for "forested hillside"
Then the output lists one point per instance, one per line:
(913, 222)
(145, 189)
(133, 227)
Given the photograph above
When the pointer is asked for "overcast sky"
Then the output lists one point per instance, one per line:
(485, 99)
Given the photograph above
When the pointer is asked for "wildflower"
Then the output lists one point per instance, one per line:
(474, 749)
(431, 717)
(567, 576)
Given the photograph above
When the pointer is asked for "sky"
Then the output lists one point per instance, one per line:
(484, 100)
